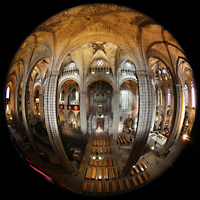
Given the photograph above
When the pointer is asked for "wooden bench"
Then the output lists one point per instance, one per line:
(140, 179)
(105, 150)
(136, 169)
(146, 177)
(91, 162)
(106, 173)
(100, 163)
(135, 181)
(114, 186)
(140, 167)
(114, 161)
(101, 149)
(100, 175)
(149, 174)
(84, 186)
(94, 169)
(88, 173)
(95, 163)
(109, 149)
(132, 172)
(105, 162)
(128, 185)
(116, 172)
(90, 186)
(107, 187)
(110, 162)
(144, 166)
(121, 185)
(99, 187)
(93, 149)
(112, 174)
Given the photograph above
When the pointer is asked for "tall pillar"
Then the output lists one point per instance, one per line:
(28, 131)
(115, 113)
(41, 106)
(144, 119)
(176, 122)
(83, 113)
(51, 120)
(165, 110)
(65, 108)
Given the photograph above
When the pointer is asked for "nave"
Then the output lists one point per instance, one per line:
(102, 175)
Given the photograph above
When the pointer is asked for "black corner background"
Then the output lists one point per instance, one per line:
(18, 20)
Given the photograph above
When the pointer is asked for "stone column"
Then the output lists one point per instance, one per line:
(83, 113)
(165, 110)
(28, 131)
(115, 113)
(144, 119)
(176, 122)
(65, 108)
(41, 107)
(51, 120)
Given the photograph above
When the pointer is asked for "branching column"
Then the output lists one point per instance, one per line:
(115, 114)
(83, 113)
(144, 119)
(28, 131)
(51, 120)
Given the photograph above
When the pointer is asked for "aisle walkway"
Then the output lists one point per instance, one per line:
(102, 174)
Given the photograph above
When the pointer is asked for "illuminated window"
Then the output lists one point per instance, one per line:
(8, 93)
(169, 97)
(164, 71)
(72, 64)
(161, 97)
(125, 99)
(186, 95)
(193, 94)
(100, 62)
(128, 64)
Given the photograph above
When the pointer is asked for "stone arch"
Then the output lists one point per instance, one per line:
(103, 78)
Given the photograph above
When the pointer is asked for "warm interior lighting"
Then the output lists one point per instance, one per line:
(186, 137)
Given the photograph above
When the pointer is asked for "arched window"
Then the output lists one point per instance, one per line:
(193, 94)
(169, 97)
(8, 93)
(74, 97)
(99, 62)
(125, 99)
(186, 95)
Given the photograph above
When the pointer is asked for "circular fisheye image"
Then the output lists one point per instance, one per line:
(100, 99)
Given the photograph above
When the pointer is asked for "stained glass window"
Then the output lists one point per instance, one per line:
(186, 95)
(124, 99)
(169, 97)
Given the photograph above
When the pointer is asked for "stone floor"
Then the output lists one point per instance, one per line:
(123, 184)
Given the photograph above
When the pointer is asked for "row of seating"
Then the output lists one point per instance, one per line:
(101, 173)
(102, 149)
(101, 142)
(102, 137)
(103, 163)
(115, 186)
(122, 139)
(38, 166)
(140, 167)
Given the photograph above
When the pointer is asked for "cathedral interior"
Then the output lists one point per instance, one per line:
(100, 99)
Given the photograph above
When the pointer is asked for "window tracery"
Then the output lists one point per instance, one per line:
(70, 69)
